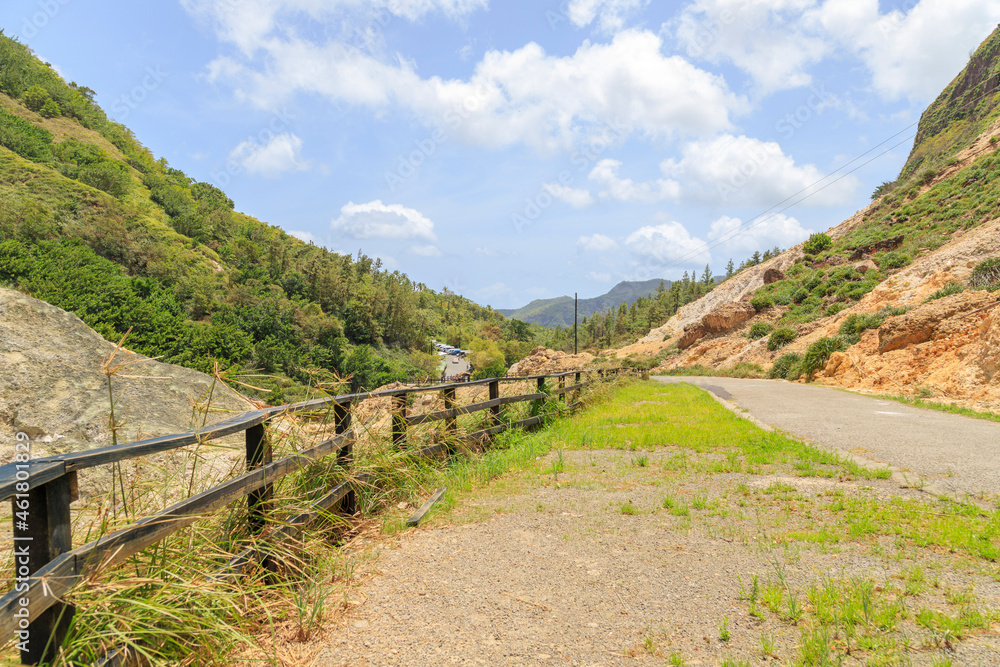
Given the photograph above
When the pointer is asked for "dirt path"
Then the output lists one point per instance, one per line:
(562, 575)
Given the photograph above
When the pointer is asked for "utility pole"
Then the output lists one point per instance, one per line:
(576, 302)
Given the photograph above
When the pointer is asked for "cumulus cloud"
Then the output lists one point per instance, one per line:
(768, 39)
(605, 173)
(524, 96)
(736, 239)
(376, 220)
(748, 171)
(282, 154)
(610, 13)
(912, 53)
(596, 243)
(915, 53)
(667, 243)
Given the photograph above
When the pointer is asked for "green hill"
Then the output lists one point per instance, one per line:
(559, 311)
(92, 222)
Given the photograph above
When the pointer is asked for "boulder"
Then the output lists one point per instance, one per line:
(865, 265)
(727, 317)
(773, 275)
(692, 334)
(989, 350)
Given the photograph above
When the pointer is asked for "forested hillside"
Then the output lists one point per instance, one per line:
(92, 222)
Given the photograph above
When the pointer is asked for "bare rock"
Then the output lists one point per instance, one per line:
(52, 387)
(692, 334)
(727, 317)
(542, 361)
(919, 325)
(989, 351)
(773, 275)
(879, 246)
(865, 265)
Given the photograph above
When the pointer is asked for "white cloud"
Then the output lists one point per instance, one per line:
(744, 170)
(668, 243)
(596, 243)
(603, 91)
(246, 23)
(605, 173)
(766, 38)
(913, 54)
(599, 277)
(738, 240)
(611, 12)
(573, 196)
(283, 153)
(383, 221)
(426, 251)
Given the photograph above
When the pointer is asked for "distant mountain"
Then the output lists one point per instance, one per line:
(559, 311)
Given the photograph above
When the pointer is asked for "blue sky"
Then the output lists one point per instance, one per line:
(522, 149)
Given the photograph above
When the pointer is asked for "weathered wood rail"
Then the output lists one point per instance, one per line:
(47, 566)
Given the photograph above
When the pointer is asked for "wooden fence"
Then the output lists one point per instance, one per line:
(41, 490)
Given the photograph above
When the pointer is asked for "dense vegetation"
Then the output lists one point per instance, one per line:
(122, 239)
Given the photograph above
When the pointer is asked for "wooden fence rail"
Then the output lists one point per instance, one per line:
(41, 490)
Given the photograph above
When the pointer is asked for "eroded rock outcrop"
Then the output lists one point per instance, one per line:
(919, 325)
(727, 317)
(542, 361)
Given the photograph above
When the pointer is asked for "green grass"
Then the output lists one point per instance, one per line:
(941, 407)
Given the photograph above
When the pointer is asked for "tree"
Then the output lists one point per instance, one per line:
(706, 277)
(36, 97)
(50, 110)
(730, 271)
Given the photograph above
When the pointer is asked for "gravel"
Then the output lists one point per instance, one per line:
(558, 574)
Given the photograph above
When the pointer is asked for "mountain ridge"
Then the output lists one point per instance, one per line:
(558, 311)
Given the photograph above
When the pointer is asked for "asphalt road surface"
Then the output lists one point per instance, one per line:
(942, 452)
(455, 365)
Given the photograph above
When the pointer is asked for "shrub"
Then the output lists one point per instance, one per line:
(883, 189)
(851, 328)
(50, 110)
(781, 337)
(36, 97)
(759, 330)
(22, 137)
(786, 367)
(896, 259)
(800, 295)
(110, 176)
(819, 352)
(761, 302)
(986, 274)
(954, 287)
(817, 243)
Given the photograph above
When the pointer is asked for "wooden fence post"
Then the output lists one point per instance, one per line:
(342, 422)
(258, 454)
(39, 536)
(450, 424)
(576, 393)
(562, 385)
(495, 410)
(399, 421)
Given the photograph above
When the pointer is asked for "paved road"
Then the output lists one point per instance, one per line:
(452, 368)
(952, 454)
